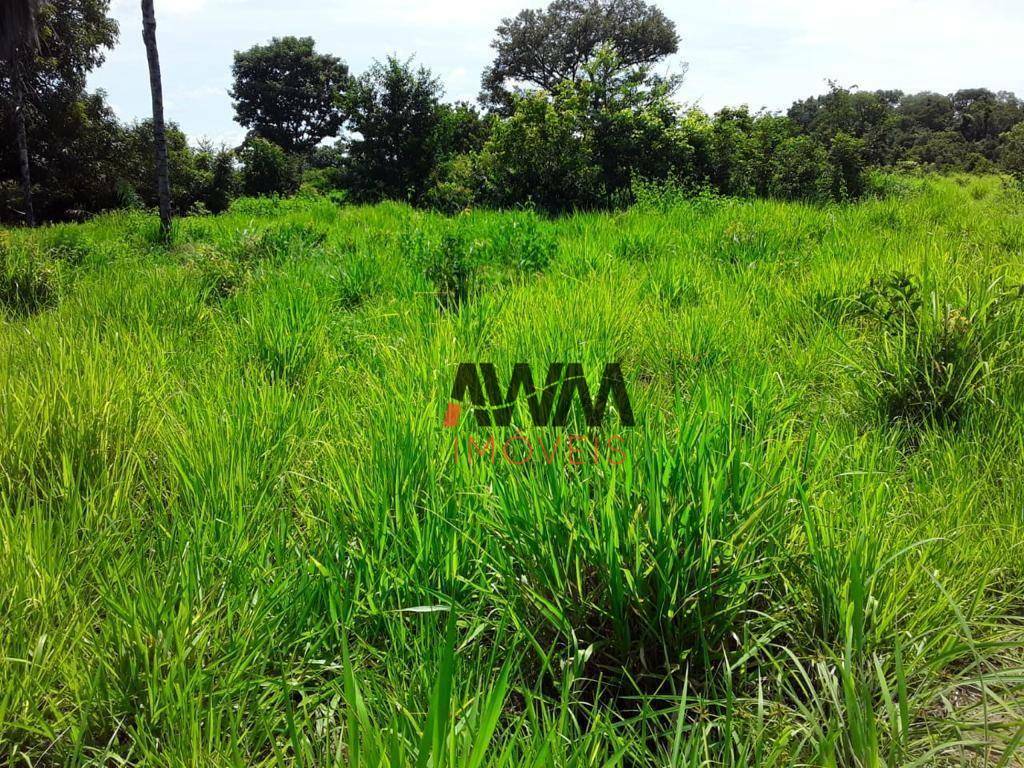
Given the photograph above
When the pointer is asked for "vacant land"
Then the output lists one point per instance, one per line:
(234, 529)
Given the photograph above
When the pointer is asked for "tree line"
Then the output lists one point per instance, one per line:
(572, 114)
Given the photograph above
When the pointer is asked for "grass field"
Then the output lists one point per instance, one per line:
(235, 532)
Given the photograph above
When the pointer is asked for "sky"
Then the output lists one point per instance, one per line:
(754, 52)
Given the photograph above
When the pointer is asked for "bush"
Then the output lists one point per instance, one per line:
(893, 301)
(932, 361)
(450, 265)
(455, 185)
(846, 157)
(523, 243)
(266, 169)
(800, 171)
(223, 183)
(540, 154)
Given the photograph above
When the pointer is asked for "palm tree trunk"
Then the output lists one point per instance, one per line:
(163, 182)
(22, 142)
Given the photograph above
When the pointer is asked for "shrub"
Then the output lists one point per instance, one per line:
(894, 301)
(541, 154)
(223, 183)
(800, 171)
(523, 243)
(266, 169)
(455, 187)
(846, 158)
(932, 360)
(450, 265)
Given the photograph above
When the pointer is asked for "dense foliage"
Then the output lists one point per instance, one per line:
(544, 48)
(288, 93)
(394, 111)
(575, 118)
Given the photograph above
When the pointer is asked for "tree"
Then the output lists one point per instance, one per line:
(265, 168)
(288, 93)
(541, 48)
(163, 183)
(394, 110)
(846, 157)
(69, 133)
(983, 116)
(187, 172)
(1011, 151)
(731, 151)
(867, 115)
(18, 42)
(543, 154)
(801, 171)
(460, 129)
(631, 121)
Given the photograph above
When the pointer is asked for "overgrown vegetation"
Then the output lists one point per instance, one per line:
(575, 114)
(233, 530)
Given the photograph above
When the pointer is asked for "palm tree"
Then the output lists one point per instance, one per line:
(163, 182)
(18, 42)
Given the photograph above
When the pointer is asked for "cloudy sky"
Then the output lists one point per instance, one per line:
(755, 52)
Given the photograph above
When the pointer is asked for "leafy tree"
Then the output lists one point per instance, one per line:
(943, 151)
(981, 115)
(767, 133)
(731, 152)
(801, 171)
(543, 48)
(541, 154)
(460, 129)
(266, 169)
(72, 36)
(926, 112)
(221, 183)
(631, 121)
(393, 109)
(18, 43)
(1011, 151)
(288, 93)
(846, 158)
(867, 115)
(324, 169)
(75, 150)
(135, 161)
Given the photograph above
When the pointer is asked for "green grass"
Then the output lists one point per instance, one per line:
(234, 531)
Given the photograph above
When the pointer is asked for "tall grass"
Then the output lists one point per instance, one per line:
(233, 530)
